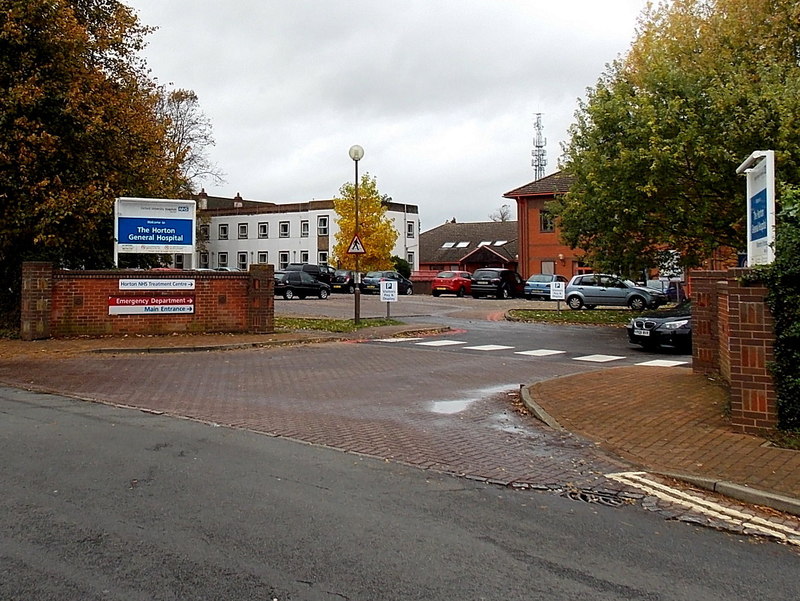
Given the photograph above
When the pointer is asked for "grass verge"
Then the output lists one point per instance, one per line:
(330, 325)
(597, 317)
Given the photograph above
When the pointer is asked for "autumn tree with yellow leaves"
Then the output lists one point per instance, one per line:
(375, 230)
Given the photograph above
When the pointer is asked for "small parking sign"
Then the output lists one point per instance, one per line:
(388, 291)
(557, 290)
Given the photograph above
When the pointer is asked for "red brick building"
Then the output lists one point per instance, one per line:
(539, 247)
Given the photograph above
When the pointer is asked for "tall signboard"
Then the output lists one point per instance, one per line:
(759, 168)
(154, 226)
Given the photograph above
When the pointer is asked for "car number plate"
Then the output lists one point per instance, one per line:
(482, 282)
(641, 332)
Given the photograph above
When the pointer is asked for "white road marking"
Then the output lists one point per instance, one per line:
(397, 339)
(708, 508)
(599, 358)
(542, 352)
(441, 342)
(662, 363)
(488, 347)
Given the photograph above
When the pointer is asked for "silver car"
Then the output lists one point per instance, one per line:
(593, 289)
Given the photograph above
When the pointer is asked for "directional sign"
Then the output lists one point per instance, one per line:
(356, 247)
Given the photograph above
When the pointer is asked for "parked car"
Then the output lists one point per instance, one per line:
(671, 327)
(538, 285)
(323, 273)
(593, 289)
(371, 282)
(498, 282)
(291, 284)
(343, 280)
(452, 282)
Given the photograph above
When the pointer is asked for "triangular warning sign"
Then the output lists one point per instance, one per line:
(356, 247)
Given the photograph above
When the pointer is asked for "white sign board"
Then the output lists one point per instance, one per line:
(760, 170)
(154, 226)
(558, 291)
(145, 284)
(388, 291)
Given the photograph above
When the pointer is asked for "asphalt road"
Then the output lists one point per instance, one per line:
(104, 503)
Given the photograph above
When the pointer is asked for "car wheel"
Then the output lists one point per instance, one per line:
(461, 292)
(574, 302)
(323, 294)
(637, 303)
(409, 291)
(435, 293)
(288, 294)
(503, 292)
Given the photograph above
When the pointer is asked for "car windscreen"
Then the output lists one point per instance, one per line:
(279, 276)
(343, 272)
(540, 278)
(374, 274)
(445, 274)
(485, 274)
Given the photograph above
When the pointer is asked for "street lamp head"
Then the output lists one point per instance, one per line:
(356, 153)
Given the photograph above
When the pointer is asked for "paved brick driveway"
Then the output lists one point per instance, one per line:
(455, 415)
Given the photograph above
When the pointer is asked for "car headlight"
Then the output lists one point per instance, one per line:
(674, 325)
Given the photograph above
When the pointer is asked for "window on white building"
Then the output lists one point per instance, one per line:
(283, 230)
(263, 257)
(304, 229)
(283, 259)
(241, 261)
(243, 231)
(322, 257)
(204, 260)
(304, 256)
(204, 231)
(410, 229)
(263, 230)
(222, 260)
(410, 258)
(322, 225)
(223, 231)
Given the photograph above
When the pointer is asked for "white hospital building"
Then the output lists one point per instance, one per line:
(233, 232)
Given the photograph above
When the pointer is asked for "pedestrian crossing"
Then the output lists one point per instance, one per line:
(541, 352)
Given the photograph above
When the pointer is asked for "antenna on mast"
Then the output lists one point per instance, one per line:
(538, 153)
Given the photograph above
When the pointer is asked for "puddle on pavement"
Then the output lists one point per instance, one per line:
(458, 405)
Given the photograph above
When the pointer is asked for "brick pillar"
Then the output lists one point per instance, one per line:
(751, 343)
(37, 291)
(705, 321)
(261, 299)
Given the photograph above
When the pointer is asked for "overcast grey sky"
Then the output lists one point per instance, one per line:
(440, 93)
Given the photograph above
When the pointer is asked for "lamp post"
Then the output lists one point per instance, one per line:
(357, 153)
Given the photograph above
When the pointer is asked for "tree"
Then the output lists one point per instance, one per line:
(655, 146)
(375, 231)
(80, 128)
(502, 214)
(189, 137)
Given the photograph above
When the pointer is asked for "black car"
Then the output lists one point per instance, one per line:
(497, 282)
(371, 282)
(291, 284)
(672, 327)
(323, 273)
(344, 280)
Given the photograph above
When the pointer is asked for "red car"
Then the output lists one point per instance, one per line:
(452, 282)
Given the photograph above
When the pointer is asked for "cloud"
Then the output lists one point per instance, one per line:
(440, 93)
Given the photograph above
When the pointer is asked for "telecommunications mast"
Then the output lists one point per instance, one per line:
(538, 153)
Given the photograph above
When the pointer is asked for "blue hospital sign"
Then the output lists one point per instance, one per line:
(157, 226)
(759, 168)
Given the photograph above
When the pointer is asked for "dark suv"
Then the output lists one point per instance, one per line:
(498, 282)
(322, 272)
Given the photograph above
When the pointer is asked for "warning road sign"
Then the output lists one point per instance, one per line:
(356, 247)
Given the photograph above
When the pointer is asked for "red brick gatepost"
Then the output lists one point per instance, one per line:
(734, 337)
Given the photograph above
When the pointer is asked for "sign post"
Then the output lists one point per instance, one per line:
(388, 294)
(759, 168)
(557, 293)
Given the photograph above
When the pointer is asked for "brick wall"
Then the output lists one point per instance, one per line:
(61, 303)
(733, 337)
